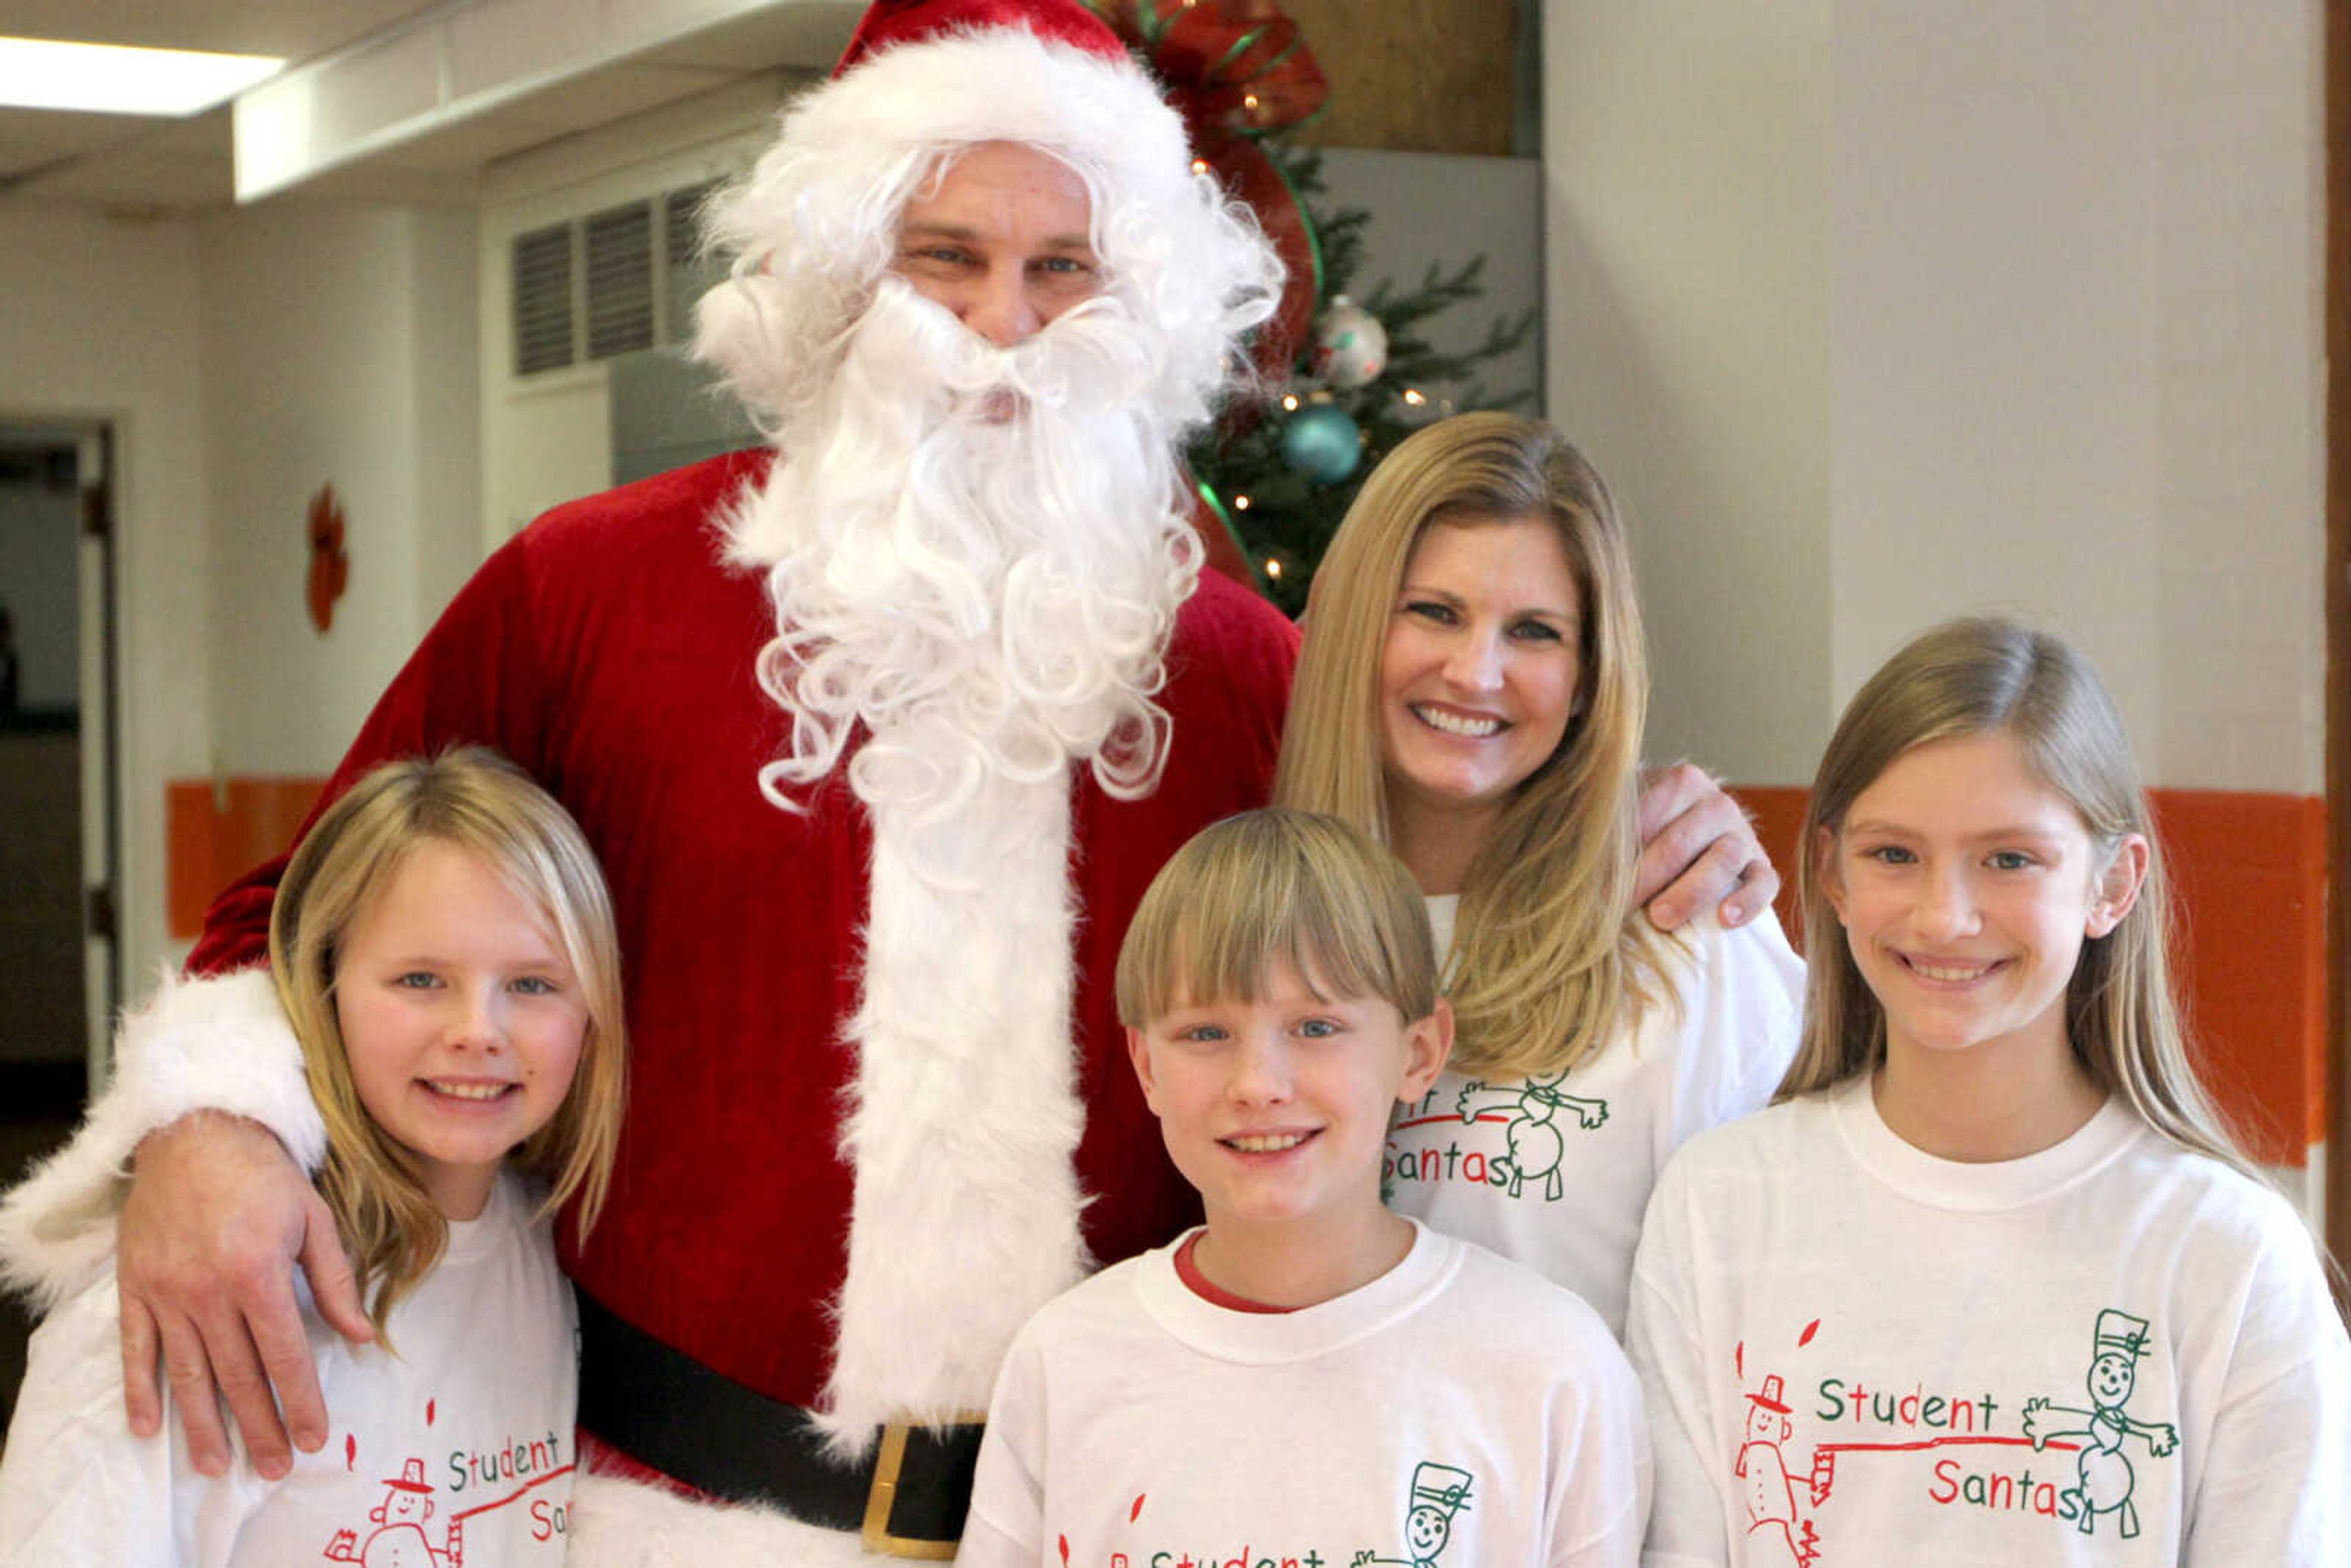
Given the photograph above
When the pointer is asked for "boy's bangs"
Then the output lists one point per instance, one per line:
(1334, 952)
(1277, 889)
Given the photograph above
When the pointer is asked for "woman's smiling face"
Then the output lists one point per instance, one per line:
(1483, 666)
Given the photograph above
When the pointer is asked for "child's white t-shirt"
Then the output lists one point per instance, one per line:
(1558, 1178)
(1456, 1412)
(466, 1434)
(2112, 1352)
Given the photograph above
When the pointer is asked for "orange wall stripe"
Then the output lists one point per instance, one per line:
(2250, 872)
(2248, 875)
(207, 847)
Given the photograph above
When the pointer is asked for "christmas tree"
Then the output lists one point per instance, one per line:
(1283, 469)
(1343, 376)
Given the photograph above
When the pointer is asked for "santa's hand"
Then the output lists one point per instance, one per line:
(1698, 847)
(216, 1217)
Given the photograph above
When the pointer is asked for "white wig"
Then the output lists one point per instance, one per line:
(811, 228)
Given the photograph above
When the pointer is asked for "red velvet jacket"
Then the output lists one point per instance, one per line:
(607, 650)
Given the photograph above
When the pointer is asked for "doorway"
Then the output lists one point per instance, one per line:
(59, 964)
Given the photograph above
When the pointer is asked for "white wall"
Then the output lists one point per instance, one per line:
(337, 349)
(1879, 314)
(1687, 296)
(98, 319)
(2076, 350)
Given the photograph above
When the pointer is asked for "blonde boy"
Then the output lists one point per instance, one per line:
(1307, 1381)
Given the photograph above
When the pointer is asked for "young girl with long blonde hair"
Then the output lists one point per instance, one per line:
(444, 948)
(1472, 692)
(1991, 1283)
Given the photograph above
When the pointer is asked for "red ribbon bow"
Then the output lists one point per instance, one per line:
(1236, 70)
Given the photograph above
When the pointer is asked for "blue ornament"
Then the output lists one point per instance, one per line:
(1321, 442)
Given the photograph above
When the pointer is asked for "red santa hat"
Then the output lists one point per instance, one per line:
(888, 24)
(1049, 73)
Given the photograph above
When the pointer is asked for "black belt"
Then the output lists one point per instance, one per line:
(662, 1407)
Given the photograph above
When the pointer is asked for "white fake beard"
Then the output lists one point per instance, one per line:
(977, 553)
(990, 599)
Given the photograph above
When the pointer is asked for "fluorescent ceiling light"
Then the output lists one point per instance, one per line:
(105, 79)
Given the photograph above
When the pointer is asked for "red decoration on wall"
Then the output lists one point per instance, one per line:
(331, 568)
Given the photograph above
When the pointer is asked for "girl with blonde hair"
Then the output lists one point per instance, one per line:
(1471, 692)
(1991, 1282)
(443, 948)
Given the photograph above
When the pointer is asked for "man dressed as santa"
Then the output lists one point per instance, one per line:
(880, 733)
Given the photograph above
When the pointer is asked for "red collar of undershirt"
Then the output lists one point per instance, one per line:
(1187, 1269)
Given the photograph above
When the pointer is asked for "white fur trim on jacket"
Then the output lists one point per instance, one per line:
(964, 1119)
(615, 1523)
(209, 1044)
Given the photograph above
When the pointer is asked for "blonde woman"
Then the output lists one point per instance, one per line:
(443, 948)
(1471, 692)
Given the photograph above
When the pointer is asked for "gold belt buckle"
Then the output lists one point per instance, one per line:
(876, 1537)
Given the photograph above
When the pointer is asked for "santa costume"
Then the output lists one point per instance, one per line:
(880, 1109)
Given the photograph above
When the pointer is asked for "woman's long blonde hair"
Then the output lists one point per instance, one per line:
(1548, 948)
(481, 804)
(1977, 677)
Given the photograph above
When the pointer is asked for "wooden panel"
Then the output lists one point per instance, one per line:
(1413, 75)
(211, 840)
(2249, 872)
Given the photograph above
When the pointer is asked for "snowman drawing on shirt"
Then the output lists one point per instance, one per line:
(399, 1539)
(1438, 1492)
(2104, 1479)
(1536, 1145)
(1776, 1532)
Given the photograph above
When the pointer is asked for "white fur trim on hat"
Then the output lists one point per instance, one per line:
(999, 84)
(219, 1044)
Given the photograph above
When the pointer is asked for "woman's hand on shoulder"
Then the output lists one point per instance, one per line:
(1699, 848)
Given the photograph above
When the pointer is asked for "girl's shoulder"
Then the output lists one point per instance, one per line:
(1758, 1143)
(2214, 1207)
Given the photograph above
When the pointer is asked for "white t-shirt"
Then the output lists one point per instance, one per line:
(2112, 1352)
(462, 1435)
(1557, 1176)
(1457, 1412)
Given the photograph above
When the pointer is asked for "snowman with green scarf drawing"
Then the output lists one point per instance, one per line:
(2105, 1477)
(1536, 1143)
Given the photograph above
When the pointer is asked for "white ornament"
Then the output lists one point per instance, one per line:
(1350, 347)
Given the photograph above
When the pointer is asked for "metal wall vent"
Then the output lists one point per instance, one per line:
(688, 275)
(620, 280)
(627, 259)
(542, 300)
